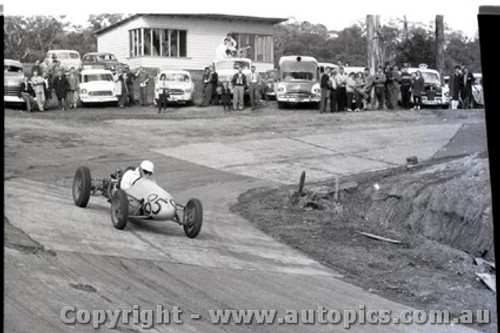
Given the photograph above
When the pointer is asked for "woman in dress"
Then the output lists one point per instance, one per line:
(417, 87)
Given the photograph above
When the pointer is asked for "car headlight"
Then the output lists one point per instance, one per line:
(83, 91)
(281, 89)
(188, 90)
(316, 89)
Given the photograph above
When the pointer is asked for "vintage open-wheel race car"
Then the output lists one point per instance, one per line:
(145, 199)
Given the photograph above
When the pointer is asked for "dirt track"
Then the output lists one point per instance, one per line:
(57, 254)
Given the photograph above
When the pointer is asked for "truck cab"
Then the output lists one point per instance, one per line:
(298, 81)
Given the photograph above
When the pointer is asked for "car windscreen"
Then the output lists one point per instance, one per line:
(12, 69)
(431, 78)
(299, 71)
(176, 77)
(106, 57)
(232, 64)
(298, 76)
(63, 55)
(73, 55)
(97, 77)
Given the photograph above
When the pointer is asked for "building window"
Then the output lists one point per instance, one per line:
(256, 47)
(158, 42)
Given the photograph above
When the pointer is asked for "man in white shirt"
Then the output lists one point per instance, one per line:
(255, 82)
(146, 169)
(341, 79)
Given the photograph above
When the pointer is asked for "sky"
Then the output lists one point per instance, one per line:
(334, 14)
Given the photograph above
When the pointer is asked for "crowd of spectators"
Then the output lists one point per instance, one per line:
(46, 80)
(392, 88)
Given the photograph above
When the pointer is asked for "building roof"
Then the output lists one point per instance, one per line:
(269, 20)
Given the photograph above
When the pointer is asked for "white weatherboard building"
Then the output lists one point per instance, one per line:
(186, 41)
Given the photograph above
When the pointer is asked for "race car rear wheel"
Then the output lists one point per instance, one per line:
(193, 218)
(81, 186)
(119, 209)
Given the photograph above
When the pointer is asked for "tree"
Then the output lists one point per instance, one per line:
(418, 49)
(31, 37)
(461, 50)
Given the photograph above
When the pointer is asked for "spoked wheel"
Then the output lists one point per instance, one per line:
(193, 218)
(81, 186)
(119, 209)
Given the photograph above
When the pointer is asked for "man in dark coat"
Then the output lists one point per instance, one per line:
(61, 87)
(466, 82)
(455, 86)
(325, 93)
(405, 87)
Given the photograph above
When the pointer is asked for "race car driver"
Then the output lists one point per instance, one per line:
(146, 169)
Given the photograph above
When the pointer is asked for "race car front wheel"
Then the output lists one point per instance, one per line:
(81, 186)
(119, 209)
(193, 218)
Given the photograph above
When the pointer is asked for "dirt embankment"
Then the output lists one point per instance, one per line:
(449, 203)
(440, 214)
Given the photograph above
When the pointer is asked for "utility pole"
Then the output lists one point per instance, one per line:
(373, 44)
(440, 44)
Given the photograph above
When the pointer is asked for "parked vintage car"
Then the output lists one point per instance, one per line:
(226, 68)
(13, 77)
(433, 94)
(97, 86)
(181, 87)
(298, 81)
(270, 81)
(68, 58)
(102, 60)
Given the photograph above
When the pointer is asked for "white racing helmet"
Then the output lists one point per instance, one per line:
(147, 166)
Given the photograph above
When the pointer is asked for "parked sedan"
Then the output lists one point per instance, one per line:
(97, 86)
(180, 86)
(101, 60)
(13, 77)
